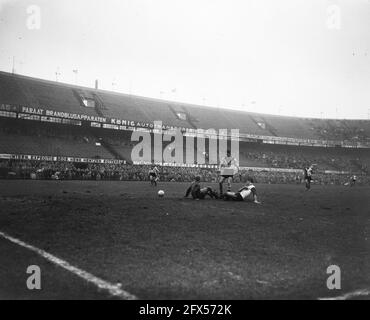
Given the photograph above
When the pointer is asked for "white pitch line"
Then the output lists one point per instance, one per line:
(354, 294)
(113, 289)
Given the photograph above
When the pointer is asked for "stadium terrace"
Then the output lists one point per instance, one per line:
(85, 125)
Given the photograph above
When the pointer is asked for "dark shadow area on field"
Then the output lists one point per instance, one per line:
(56, 282)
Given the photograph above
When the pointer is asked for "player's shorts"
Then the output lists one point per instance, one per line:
(227, 173)
(238, 197)
(198, 194)
(201, 195)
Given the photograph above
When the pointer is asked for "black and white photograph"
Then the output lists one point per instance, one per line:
(178, 150)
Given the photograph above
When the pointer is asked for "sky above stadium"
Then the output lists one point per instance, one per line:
(306, 58)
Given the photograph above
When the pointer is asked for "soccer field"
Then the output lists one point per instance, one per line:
(142, 246)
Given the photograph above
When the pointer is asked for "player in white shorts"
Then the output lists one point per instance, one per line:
(229, 164)
(247, 193)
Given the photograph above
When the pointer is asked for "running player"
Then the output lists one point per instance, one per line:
(228, 168)
(153, 175)
(197, 192)
(246, 193)
(308, 171)
(353, 180)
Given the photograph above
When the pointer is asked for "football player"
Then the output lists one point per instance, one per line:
(308, 171)
(228, 168)
(197, 192)
(153, 175)
(246, 193)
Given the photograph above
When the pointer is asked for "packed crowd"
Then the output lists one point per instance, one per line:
(290, 158)
(25, 169)
(22, 169)
(338, 130)
(118, 144)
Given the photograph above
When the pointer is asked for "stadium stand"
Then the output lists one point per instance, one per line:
(97, 124)
(280, 156)
(26, 137)
(20, 90)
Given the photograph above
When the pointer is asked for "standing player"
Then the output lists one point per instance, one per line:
(247, 193)
(153, 175)
(308, 171)
(353, 180)
(228, 168)
(200, 193)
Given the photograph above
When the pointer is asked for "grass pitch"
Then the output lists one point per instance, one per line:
(175, 248)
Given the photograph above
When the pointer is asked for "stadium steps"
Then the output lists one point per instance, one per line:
(270, 127)
(32, 101)
(112, 150)
(121, 108)
(22, 90)
(262, 121)
(183, 123)
(53, 96)
(243, 122)
(37, 145)
(208, 118)
(289, 127)
(160, 111)
(10, 91)
(99, 106)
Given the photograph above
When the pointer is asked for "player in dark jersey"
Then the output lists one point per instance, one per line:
(353, 180)
(153, 176)
(197, 192)
(246, 193)
(308, 171)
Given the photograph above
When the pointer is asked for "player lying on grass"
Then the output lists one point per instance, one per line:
(246, 193)
(200, 193)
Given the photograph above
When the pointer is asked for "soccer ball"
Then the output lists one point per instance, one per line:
(160, 193)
